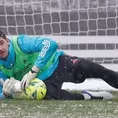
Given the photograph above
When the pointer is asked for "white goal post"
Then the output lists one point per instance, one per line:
(84, 28)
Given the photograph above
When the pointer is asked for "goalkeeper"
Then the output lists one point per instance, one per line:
(25, 58)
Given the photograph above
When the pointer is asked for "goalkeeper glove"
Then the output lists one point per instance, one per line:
(8, 87)
(28, 77)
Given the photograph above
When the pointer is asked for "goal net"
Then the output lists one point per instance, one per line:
(85, 28)
(59, 17)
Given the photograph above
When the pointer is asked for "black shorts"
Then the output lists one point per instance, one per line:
(63, 73)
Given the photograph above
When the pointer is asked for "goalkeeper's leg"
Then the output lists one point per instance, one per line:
(84, 95)
(55, 92)
(63, 95)
(86, 69)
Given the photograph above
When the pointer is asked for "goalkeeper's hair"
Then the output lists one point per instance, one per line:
(2, 35)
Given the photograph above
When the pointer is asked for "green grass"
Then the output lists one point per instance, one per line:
(18, 108)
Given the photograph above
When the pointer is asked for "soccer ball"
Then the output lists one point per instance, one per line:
(36, 90)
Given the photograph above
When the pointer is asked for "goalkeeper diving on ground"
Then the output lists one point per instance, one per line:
(24, 58)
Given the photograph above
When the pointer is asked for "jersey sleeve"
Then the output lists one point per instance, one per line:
(48, 48)
(45, 46)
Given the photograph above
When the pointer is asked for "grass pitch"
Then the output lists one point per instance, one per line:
(18, 108)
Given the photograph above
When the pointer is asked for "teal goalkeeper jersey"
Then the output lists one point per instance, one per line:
(29, 45)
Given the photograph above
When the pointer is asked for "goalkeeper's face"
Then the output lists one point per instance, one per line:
(4, 45)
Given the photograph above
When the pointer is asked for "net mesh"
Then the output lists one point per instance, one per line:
(59, 17)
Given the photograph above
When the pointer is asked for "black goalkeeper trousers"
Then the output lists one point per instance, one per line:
(76, 70)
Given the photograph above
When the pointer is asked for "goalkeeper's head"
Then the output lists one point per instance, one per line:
(4, 46)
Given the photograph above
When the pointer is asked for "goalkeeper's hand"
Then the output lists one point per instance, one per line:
(8, 87)
(28, 77)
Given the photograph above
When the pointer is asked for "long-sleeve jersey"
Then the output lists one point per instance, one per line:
(47, 47)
